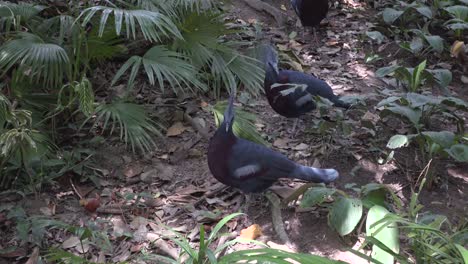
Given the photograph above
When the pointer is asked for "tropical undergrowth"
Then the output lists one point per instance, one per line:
(50, 113)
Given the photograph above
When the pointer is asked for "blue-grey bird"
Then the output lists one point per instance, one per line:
(252, 167)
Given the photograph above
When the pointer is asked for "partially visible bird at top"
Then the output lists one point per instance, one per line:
(291, 93)
(311, 12)
(252, 167)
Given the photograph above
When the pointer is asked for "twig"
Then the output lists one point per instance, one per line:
(277, 219)
(295, 195)
(76, 191)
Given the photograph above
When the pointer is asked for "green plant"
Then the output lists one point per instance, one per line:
(432, 239)
(346, 212)
(48, 59)
(414, 78)
(206, 253)
(459, 21)
(244, 123)
(423, 43)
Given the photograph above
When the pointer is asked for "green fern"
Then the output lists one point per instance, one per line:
(134, 126)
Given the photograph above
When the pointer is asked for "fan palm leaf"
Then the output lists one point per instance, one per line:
(59, 29)
(14, 14)
(41, 61)
(229, 68)
(201, 41)
(135, 127)
(152, 24)
(161, 64)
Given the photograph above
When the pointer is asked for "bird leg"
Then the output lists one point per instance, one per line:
(296, 120)
(315, 36)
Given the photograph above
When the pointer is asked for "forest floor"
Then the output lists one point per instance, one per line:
(185, 195)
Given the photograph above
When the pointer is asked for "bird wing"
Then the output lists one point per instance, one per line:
(250, 160)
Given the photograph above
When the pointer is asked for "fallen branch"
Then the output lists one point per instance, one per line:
(271, 10)
(277, 219)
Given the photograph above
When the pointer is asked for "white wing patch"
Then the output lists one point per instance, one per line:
(304, 100)
(246, 170)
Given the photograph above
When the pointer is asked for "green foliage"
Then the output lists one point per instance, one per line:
(244, 123)
(345, 215)
(206, 253)
(47, 61)
(161, 64)
(414, 78)
(130, 120)
(385, 233)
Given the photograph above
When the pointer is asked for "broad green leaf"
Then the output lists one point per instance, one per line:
(416, 45)
(375, 197)
(458, 11)
(345, 215)
(413, 115)
(315, 196)
(436, 42)
(390, 15)
(442, 77)
(443, 138)
(418, 100)
(416, 78)
(382, 72)
(455, 102)
(463, 252)
(397, 141)
(459, 152)
(425, 11)
(388, 101)
(376, 35)
(386, 233)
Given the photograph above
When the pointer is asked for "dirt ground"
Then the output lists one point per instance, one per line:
(177, 176)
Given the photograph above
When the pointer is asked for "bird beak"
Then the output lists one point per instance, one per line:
(274, 67)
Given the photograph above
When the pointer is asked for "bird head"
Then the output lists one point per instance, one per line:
(273, 67)
(229, 113)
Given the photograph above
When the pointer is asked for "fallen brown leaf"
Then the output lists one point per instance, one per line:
(251, 232)
(176, 129)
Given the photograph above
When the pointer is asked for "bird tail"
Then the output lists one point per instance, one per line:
(314, 174)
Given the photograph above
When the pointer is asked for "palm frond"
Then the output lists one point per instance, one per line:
(229, 68)
(14, 14)
(5, 110)
(201, 33)
(105, 47)
(244, 123)
(196, 5)
(135, 127)
(59, 29)
(161, 64)
(41, 61)
(201, 42)
(153, 25)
